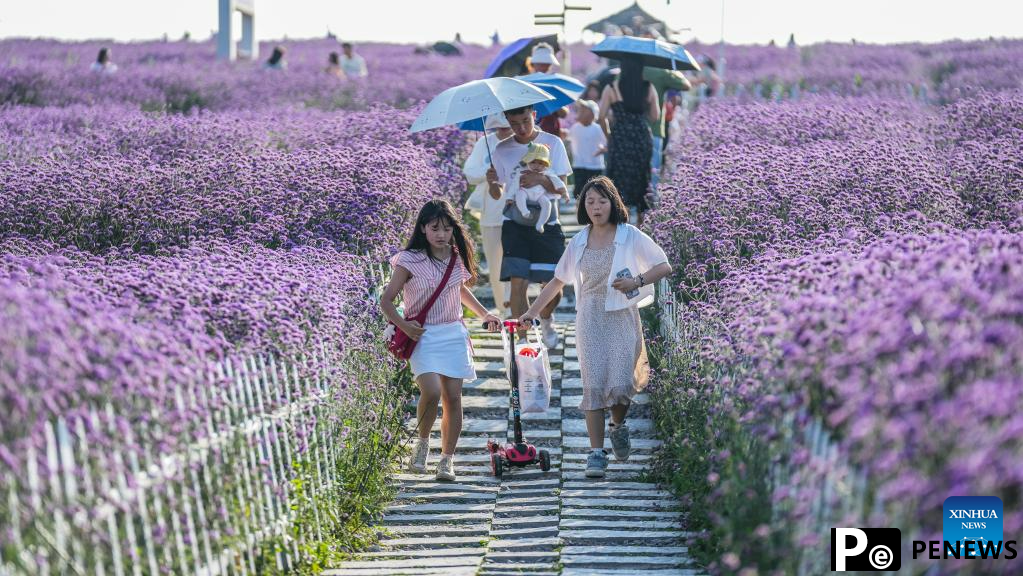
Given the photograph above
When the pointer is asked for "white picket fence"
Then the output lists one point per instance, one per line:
(839, 492)
(263, 453)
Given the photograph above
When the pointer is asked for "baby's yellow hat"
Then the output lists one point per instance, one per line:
(537, 152)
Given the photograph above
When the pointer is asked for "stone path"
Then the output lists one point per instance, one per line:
(531, 522)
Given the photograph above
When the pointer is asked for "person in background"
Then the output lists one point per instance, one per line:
(708, 77)
(103, 64)
(490, 209)
(276, 60)
(543, 60)
(588, 144)
(592, 91)
(631, 103)
(662, 80)
(352, 63)
(334, 65)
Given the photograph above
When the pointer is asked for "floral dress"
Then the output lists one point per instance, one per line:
(612, 355)
(629, 149)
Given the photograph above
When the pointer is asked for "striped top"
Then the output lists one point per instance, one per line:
(426, 274)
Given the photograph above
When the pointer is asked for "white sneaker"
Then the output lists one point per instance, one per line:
(550, 334)
(446, 468)
(420, 452)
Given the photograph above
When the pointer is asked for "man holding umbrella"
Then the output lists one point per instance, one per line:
(529, 256)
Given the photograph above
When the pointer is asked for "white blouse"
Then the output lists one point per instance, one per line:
(633, 250)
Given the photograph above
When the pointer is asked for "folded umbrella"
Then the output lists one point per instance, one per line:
(649, 51)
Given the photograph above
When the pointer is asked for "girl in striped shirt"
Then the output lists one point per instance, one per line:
(442, 359)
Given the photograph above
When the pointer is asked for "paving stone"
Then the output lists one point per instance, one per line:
(623, 494)
(569, 512)
(455, 495)
(577, 426)
(584, 442)
(624, 550)
(439, 518)
(457, 561)
(586, 571)
(439, 529)
(619, 535)
(665, 503)
(615, 523)
(641, 398)
(423, 553)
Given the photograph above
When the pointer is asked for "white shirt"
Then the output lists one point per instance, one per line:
(475, 170)
(633, 250)
(509, 153)
(585, 141)
(354, 66)
(108, 68)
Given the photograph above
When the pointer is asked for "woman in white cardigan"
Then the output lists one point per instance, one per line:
(613, 266)
(489, 210)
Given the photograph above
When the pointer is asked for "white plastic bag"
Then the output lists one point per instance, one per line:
(534, 377)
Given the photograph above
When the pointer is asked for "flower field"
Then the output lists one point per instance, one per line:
(187, 274)
(188, 258)
(845, 344)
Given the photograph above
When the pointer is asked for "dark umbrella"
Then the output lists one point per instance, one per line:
(648, 51)
(446, 49)
(512, 59)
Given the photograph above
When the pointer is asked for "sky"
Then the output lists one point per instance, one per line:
(421, 21)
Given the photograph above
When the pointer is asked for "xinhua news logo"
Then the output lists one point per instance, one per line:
(866, 549)
(971, 529)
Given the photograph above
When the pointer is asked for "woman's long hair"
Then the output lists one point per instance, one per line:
(104, 56)
(441, 209)
(633, 87)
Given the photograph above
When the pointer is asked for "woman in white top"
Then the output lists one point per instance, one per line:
(103, 63)
(613, 266)
(488, 209)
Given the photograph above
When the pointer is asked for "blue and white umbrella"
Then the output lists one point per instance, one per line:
(566, 84)
(469, 104)
(649, 51)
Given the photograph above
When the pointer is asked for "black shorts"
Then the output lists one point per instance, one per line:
(582, 176)
(530, 254)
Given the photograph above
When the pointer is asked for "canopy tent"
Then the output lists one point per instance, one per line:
(630, 17)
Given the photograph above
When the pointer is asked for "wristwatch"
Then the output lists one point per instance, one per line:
(641, 282)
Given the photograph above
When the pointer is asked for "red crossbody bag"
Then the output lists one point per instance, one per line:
(400, 344)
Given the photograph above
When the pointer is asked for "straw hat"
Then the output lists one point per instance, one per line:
(538, 152)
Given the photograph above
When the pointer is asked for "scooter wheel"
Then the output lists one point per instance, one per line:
(496, 465)
(545, 460)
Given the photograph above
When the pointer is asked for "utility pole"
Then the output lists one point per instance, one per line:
(721, 49)
(558, 19)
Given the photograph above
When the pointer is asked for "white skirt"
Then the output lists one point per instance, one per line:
(444, 349)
